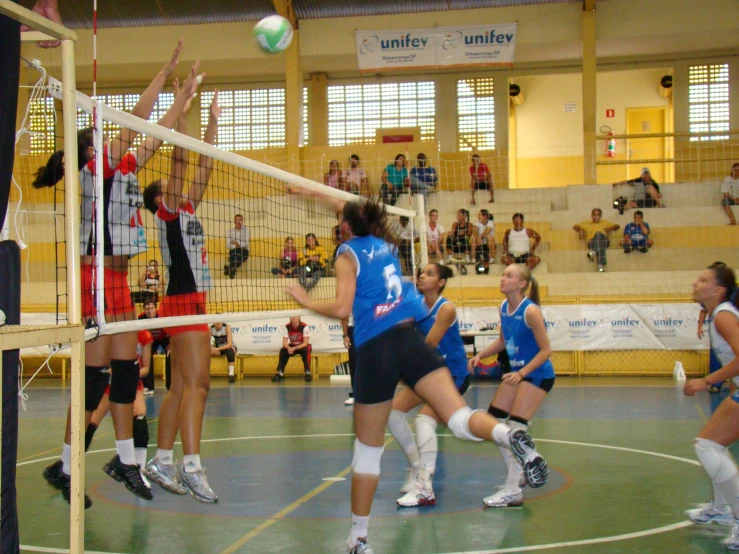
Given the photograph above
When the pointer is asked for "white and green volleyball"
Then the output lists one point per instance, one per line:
(274, 33)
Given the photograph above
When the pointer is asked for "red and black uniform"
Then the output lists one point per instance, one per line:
(295, 337)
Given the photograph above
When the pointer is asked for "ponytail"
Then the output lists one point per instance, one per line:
(53, 172)
(368, 218)
(531, 290)
(445, 272)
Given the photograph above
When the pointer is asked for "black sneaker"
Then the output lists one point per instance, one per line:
(226, 270)
(277, 377)
(129, 475)
(54, 475)
(67, 489)
(232, 378)
(308, 376)
(627, 248)
(643, 249)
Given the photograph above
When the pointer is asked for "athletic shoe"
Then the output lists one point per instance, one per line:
(232, 379)
(706, 513)
(591, 255)
(308, 376)
(410, 480)
(277, 377)
(422, 494)
(627, 249)
(54, 475)
(146, 481)
(197, 485)
(165, 475)
(523, 482)
(504, 498)
(643, 249)
(601, 268)
(129, 475)
(732, 543)
(148, 392)
(349, 401)
(462, 269)
(362, 547)
(534, 466)
(226, 270)
(67, 491)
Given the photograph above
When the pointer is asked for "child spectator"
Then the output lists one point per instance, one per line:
(636, 234)
(354, 179)
(730, 192)
(288, 261)
(484, 239)
(311, 262)
(333, 177)
(435, 236)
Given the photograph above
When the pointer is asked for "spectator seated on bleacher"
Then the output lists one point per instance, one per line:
(333, 177)
(423, 178)
(458, 241)
(354, 179)
(394, 179)
(311, 262)
(237, 243)
(484, 241)
(595, 232)
(646, 192)
(435, 236)
(151, 285)
(406, 236)
(636, 234)
(222, 345)
(295, 342)
(730, 192)
(517, 247)
(288, 261)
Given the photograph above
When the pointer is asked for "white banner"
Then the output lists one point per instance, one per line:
(439, 47)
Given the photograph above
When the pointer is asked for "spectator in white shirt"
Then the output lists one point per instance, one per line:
(730, 191)
(354, 179)
(517, 247)
(435, 236)
(484, 239)
(237, 243)
(406, 237)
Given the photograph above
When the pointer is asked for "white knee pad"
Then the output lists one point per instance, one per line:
(366, 458)
(717, 463)
(459, 424)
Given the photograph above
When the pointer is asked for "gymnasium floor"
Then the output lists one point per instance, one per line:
(620, 451)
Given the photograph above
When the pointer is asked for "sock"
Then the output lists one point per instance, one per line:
(192, 463)
(126, 452)
(400, 429)
(67, 459)
(515, 471)
(359, 529)
(428, 443)
(165, 456)
(230, 370)
(500, 435)
(140, 454)
(89, 433)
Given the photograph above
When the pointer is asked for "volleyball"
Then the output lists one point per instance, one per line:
(274, 33)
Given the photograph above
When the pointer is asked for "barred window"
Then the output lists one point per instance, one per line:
(708, 100)
(355, 112)
(476, 113)
(250, 120)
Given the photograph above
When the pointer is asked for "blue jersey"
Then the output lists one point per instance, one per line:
(634, 232)
(382, 298)
(520, 342)
(451, 347)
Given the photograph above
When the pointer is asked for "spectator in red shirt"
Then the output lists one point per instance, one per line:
(295, 342)
(480, 178)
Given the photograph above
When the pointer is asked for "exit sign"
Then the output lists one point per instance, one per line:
(610, 113)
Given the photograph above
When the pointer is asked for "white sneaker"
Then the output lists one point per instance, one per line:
(707, 513)
(523, 482)
(534, 467)
(601, 268)
(732, 543)
(349, 401)
(362, 547)
(147, 484)
(410, 480)
(422, 494)
(504, 498)
(165, 475)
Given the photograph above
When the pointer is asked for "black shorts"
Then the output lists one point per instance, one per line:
(482, 185)
(458, 245)
(398, 353)
(522, 259)
(465, 385)
(544, 384)
(647, 202)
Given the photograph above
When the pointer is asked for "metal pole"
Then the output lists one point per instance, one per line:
(422, 224)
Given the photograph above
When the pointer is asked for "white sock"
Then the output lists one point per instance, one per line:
(192, 463)
(400, 429)
(67, 459)
(230, 370)
(165, 456)
(500, 435)
(359, 529)
(428, 442)
(140, 454)
(126, 452)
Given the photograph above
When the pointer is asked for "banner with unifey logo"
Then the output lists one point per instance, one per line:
(471, 45)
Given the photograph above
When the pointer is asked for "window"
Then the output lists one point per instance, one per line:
(250, 120)
(476, 112)
(41, 124)
(355, 112)
(708, 98)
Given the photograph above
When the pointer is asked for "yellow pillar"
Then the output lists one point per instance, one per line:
(318, 109)
(512, 149)
(589, 92)
(293, 105)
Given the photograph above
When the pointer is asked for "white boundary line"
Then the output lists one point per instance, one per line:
(583, 542)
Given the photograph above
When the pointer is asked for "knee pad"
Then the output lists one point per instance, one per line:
(497, 413)
(124, 381)
(89, 433)
(140, 432)
(516, 422)
(96, 379)
(719, 466)
(366, 459)
(459, 424)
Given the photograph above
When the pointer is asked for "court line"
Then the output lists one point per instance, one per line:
(28, 548)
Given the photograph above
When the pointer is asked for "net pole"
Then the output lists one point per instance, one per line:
(74, 298)
(99, 222)
(422, 235)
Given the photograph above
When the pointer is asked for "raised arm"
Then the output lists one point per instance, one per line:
(172, 193)
(205, 163)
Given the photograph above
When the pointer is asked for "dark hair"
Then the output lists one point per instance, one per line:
(517, 214)
(421, 158)
(465, 212)
(476, 156)
(53, 172)
(152, 191)
(487, 214)
(445, 272)
(314, 238)
(404, 219)
(147, 302)
(399, 156)
(354, 156)
(597, 210)
(153, 262)
(639, 212)
(368, 218)
(716, 264)
(725, 278)
(332, 162)
(239, 215)
(289, 238)
(434, 211)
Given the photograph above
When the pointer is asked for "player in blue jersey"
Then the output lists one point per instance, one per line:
(524, 337)
(442, 333)
(385, 307)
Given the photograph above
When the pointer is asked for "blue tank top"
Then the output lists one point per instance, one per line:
(520, 342)
(450, 347)
(382, 299)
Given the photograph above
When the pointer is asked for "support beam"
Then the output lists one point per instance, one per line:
(589, 94)
(293, 89)
(318, 110)
(35, 21)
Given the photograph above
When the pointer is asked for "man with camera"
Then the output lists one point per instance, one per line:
(646, 193)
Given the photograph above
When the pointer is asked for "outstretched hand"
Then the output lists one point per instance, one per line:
(171, 64)
(215, 108)
(300, 295)
(49, 10)
(190, 86)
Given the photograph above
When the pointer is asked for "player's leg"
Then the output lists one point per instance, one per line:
(283, 358)
(304, 354)
(230, 354)
(405, 400)
(140, 431)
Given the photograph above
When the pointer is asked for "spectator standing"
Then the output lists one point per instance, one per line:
(237, 243)
(333, 177)
(730, 192)
(595, 232)
(394, 178)
(423, 178)
(288, 261)
(435, 236)
(480, 178)
(159, 346)
(636, 234)
(646, 191)
(222, 345)
(354, 179)
(311, 262)
(484, 238)
(517, 247)
(295, 341)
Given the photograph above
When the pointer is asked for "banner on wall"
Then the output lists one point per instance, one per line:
(570, 328)
(477, 45)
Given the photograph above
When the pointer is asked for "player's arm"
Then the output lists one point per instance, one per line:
(728, 327)
(346, 285)
(701, 321)
(305, 343)
(229, 340)
(445, 317)
(205, 163)
(506, 237)
(172, 193)
(145, 361)
(491, 349)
